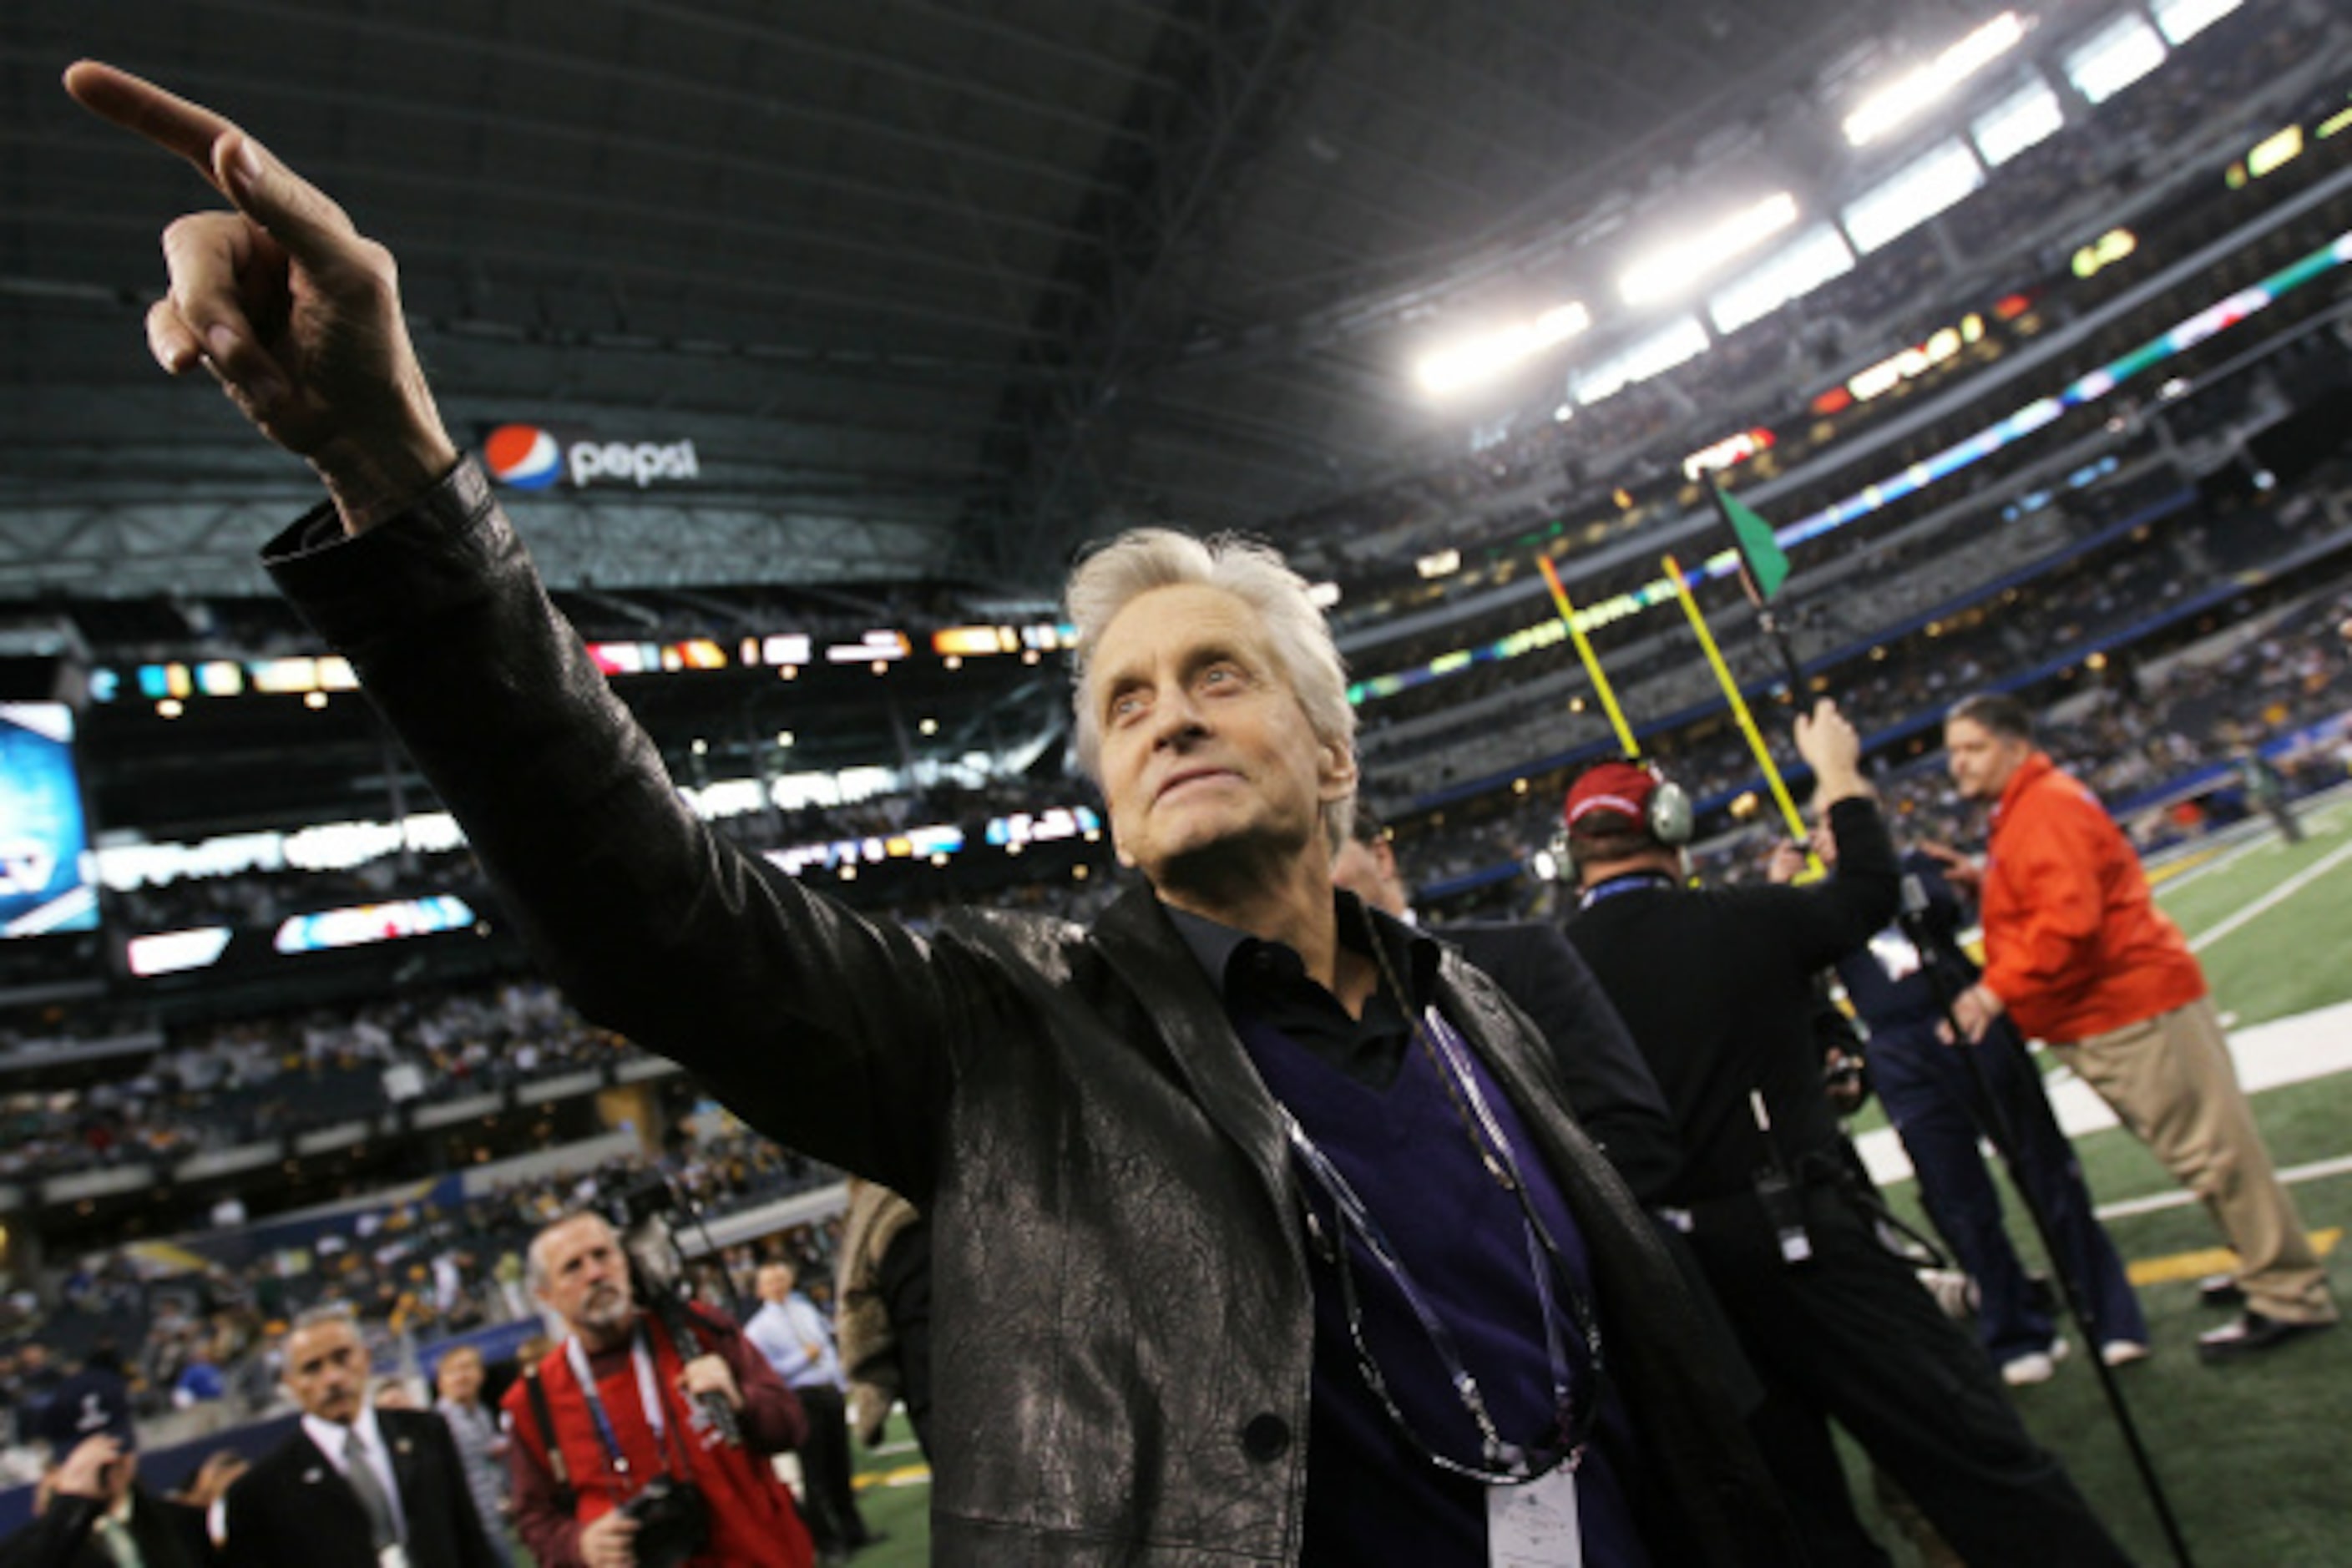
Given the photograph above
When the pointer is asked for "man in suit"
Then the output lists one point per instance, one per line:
(353, 1487)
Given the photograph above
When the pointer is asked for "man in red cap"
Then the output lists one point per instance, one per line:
(1717, 987)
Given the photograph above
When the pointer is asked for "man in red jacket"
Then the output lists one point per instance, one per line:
(2078, 955)
(619, 1409)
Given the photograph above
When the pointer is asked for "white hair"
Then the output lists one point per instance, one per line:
(322, 1315)
(1143, 559)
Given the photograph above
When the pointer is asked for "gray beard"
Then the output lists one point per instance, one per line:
(610, 1318)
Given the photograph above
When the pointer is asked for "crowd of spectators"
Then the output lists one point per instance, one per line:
(2089, 174)
(249, 1080)
(1504, 715)
(2157, 744)
(200, 1340)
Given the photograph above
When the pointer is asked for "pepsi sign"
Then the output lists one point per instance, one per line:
(528, 457)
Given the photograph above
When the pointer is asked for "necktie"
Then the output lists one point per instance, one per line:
(362, 1477)
(120, 1543)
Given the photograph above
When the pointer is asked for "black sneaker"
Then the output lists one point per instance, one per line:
(2221, 1290)
(2252, 1331)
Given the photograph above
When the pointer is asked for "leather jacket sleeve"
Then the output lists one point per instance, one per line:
(56, 1537)
(829, 1032)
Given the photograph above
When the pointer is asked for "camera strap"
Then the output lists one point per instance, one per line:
(567, 1497)
(650, 1399)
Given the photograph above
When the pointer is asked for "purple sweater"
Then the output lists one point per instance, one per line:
(1371, 1498)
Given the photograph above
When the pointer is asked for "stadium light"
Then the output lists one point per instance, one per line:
(1677, 266)
(2114, 58)
(2182, 20)
(1942, 178)
(1805, 264)
(1450, 369)
(1661, 352)
(1915, 92)
(2026, 118)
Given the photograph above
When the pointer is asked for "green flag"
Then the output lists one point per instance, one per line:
(1767, 563)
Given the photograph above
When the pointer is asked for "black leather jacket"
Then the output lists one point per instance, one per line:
(1123, 1318)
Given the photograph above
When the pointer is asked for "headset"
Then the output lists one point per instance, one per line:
(1669, 819)
(1672, 821)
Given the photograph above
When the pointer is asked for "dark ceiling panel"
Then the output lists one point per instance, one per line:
(997, 267)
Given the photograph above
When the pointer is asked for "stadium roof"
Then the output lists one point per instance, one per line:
(934, 287)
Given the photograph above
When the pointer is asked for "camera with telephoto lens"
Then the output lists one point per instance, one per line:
(673, 1522)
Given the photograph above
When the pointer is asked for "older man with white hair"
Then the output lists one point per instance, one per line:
(1260, 1235)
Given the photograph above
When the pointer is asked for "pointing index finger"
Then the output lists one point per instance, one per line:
(137, 105)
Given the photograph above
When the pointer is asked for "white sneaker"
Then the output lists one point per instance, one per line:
(2123, 1352)
(1955, 1292)
(2034, 1366)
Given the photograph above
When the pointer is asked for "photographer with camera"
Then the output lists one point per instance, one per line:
(622, 1455)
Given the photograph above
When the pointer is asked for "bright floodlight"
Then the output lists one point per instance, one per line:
(1914, 193)
(1661, 352)
(1915, 90)
(1805, 264)
(1671, 270)
(2026, 118)
(1454, 368)
(2182, 20)
(2114, 58)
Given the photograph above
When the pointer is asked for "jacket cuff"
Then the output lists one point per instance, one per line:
(436, 551)
(1853, 808)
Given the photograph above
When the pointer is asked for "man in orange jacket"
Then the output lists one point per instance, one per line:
(2078, 955)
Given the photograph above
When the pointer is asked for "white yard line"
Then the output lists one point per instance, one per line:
(2180, 1197)
(2317, 1044)
(2321, 817)
(2272, 899)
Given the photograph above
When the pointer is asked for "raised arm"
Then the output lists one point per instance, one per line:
(1832, 918)
(830, 1033)
(291, 309)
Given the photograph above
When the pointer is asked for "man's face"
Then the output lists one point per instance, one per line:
(326, 1371)
(1980, 759)
(1369, 871)
(774, 1282)
(1207, 756)
(587, 1275)
(459, 1376)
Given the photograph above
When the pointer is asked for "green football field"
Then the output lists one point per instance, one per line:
(2255, 1458)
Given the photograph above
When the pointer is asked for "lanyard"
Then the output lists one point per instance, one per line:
(649, 1397)
(1632, 882)
(1508, 1463)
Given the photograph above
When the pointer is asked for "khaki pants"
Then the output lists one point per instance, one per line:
(2170, 1080)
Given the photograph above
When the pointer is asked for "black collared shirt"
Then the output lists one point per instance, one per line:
(1268, 981)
